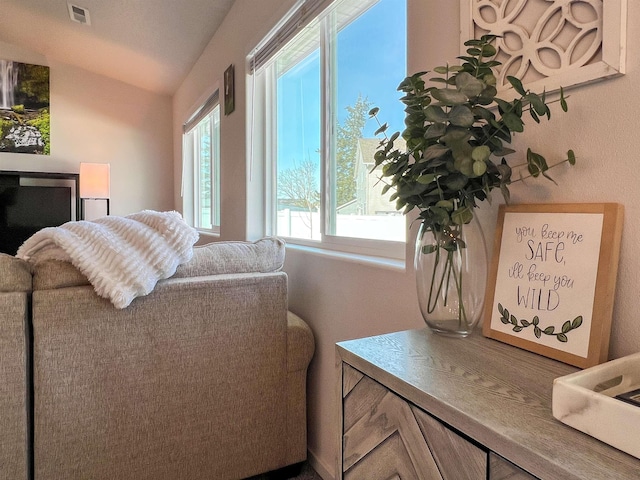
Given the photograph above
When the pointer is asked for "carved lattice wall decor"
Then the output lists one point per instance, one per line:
(551, 43)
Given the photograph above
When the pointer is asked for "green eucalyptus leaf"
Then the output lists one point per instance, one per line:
(435, 130)
(433, 151)
(383, 128)
(426, 178)
(469, 85)
(534, 115)
(538, 105)
(482, 113)
(481, 153)
(440, 215)
(503, 105)
(488, 50)
(516, 84)
(461, 116)
(571, 157)
(456, 136)
(446, 204)
(487, 95)
(513, 122)
(374, 111)
(563, 101)
(448, 96)
(562, 338)
(455, 181)
(434, 113)
(464, 165)
(536, 163)
(489, 78)
(462, 216)
(479, 168)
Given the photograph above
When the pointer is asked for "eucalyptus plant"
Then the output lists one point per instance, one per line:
(456, 135)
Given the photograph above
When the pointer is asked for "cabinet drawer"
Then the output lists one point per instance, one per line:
(384, 436)
(501, 469)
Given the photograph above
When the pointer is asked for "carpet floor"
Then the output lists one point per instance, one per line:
(307, 473)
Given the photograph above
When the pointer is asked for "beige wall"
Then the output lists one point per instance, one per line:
(96, 119)
(344, 299)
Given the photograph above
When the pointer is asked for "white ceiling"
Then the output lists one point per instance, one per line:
(151, 44)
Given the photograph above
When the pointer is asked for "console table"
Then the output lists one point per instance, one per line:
(416, 405)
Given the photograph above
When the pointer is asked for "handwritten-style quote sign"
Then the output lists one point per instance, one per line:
(546, 278)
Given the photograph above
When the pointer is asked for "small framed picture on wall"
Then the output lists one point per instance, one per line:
(229, 90)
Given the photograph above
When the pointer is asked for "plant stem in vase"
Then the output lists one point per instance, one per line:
(451, 268)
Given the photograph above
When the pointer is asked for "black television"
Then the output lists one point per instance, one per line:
(32, 201)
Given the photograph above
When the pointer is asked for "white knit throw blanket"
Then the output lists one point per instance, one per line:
(123, 257)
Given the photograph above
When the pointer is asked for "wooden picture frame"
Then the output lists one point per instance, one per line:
(229, 90)
(552, 279)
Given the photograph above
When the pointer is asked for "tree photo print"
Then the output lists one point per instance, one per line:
(24, 108)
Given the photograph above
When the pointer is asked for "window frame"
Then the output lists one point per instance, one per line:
(264, 83)
(191, 185)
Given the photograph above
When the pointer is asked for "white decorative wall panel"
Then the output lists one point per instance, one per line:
(551, 43)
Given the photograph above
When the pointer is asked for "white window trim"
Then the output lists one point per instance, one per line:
(190, 177)
(264, 150)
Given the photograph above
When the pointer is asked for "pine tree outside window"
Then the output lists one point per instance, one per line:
(317, 91)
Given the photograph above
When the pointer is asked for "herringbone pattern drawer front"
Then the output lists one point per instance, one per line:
(384, 437)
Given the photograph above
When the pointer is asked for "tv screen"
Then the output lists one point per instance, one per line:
(26, 209)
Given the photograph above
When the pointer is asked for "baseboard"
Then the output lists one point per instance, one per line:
(320, 468)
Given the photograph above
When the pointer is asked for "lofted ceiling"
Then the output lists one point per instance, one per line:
(151, 44)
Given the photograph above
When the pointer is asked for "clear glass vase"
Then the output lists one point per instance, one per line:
(451, 276)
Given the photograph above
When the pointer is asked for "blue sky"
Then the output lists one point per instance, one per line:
(371, 62)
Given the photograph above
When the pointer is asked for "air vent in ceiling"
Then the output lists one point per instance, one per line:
(79, 14)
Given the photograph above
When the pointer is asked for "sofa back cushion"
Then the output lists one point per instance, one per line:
(217, 258)
(52, 274)
(15, 274)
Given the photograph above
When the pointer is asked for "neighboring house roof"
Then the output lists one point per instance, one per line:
(366, 149)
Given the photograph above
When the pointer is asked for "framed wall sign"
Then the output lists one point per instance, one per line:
(552, 279)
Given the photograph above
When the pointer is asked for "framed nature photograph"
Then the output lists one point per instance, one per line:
(24, 108)
(552, 279)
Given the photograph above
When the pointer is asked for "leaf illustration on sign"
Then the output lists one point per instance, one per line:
(518, 326)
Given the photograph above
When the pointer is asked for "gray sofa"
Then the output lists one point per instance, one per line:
(204, 378)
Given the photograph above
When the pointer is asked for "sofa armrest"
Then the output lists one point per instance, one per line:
(300, 343)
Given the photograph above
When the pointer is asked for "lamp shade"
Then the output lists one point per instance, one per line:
(95, 180)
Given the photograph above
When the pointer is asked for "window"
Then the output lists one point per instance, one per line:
(315, 91)
(201, 167)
